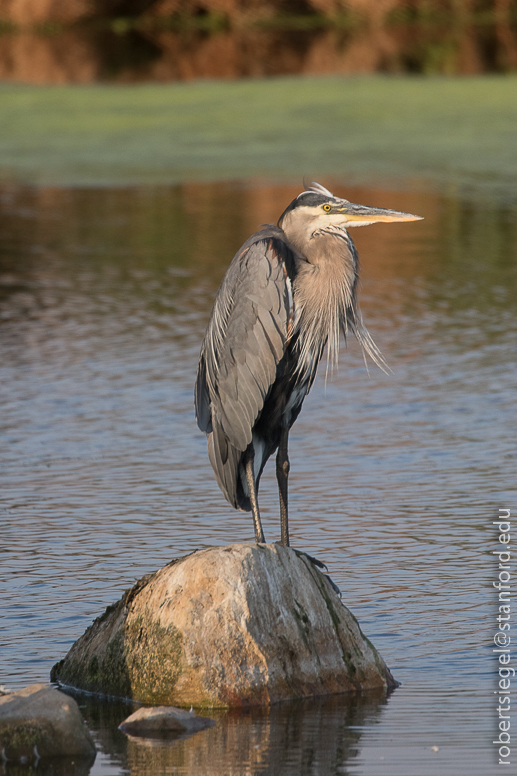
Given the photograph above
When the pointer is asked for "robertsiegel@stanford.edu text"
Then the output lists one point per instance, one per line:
(502, 638)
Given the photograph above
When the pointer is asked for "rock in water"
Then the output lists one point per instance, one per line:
(39, 721)
(163, 719)
(230, 626)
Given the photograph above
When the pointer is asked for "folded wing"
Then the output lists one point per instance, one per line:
(244, 343)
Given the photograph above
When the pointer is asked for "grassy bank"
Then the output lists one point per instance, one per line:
(459, 130)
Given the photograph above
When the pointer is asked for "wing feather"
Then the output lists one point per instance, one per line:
(244, 343)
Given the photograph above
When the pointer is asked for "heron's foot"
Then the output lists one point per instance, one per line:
(314, 561)
(319, 564)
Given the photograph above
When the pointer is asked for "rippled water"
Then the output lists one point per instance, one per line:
(104, 297)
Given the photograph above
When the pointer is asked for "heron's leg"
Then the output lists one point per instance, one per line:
(282, 474)
(259, 533)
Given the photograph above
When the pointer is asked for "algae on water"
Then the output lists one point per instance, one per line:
(405, 130)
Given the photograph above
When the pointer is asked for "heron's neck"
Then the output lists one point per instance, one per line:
(324, 292)
(333, 266)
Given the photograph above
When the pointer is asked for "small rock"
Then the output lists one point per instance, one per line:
(164, 719)
(40, 722)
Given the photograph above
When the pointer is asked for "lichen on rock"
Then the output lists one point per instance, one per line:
(139, 660)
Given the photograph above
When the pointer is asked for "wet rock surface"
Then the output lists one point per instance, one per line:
(159, 720)
(230, 626)
(40, 722)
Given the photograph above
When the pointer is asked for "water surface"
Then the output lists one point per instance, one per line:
(105, 294)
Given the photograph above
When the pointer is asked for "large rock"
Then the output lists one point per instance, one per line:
(229, 626)
(41, 722)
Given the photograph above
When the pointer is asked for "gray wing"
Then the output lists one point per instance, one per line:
(244, 342)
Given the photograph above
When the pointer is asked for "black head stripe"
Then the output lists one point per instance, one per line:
(311, 199)
(307, 199)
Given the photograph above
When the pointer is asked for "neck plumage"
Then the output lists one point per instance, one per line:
(324, 294)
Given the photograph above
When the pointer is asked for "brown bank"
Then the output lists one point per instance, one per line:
(230, 626)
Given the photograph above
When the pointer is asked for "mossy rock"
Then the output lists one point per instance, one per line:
(41, 722)
(238, 625)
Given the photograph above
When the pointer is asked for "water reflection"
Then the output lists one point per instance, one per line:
(62, 766)
(306, 737)
(104, 296)
(316, 736)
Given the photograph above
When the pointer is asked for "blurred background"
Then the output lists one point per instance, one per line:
(81, 41)
(141, 143)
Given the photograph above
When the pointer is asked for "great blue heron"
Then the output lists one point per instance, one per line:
(288, 292)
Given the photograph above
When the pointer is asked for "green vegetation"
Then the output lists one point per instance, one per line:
(387, 129)
(142, 661)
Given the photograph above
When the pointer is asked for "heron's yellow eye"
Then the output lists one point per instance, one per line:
(327, 208)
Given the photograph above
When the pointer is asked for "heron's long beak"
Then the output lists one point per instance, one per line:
(360, 215)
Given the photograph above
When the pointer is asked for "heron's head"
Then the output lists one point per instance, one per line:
(317, 209)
